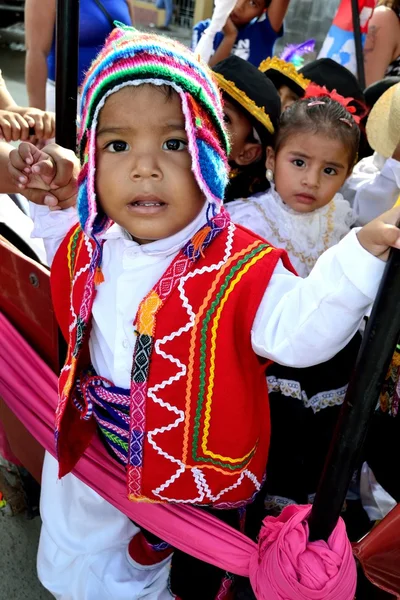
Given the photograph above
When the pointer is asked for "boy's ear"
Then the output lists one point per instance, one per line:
(270, 162)
(250, 153)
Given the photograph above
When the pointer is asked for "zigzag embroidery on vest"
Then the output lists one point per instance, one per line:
(194, 426)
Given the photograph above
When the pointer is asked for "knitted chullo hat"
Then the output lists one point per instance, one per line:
(133, 58)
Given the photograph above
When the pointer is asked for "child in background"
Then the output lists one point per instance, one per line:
(135, 285)
(303, 212)
(251, 115)
(23, 123)
(325, 72)
(250, 31)
(291, 84)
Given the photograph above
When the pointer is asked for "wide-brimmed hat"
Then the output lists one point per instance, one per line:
(383, 125)
(374, 91)
(326, 72)
(255, 94)
(281, 73)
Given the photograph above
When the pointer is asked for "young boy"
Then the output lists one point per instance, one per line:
(291, 84)
(251, 113)
(250, 31)
(171, 313)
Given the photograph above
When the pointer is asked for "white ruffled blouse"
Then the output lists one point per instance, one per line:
(305, 236)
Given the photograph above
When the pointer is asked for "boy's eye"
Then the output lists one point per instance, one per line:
(227, 119)
(175, 145)
(117, 146)
(330, 171)
(298, 162)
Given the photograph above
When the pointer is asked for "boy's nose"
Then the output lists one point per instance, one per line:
(145, 167)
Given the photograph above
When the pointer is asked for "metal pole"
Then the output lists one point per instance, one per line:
(358, 43)
(379, 342)
(67, 47)
(67, 32)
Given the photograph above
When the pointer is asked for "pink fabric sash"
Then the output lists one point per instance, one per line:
(283, 566)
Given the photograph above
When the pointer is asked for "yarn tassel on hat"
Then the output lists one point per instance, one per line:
(199, 238)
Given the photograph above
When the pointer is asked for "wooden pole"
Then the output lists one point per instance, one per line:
(381, 336)
(358, 43)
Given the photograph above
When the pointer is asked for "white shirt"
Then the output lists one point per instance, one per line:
(373, 187)
(305, 236)
(300, 322)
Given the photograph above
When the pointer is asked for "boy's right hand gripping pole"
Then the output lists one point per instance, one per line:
(381, 336)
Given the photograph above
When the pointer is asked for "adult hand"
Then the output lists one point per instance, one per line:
(43, 122)
(14, 127)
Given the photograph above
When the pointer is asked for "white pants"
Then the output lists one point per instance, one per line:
(83, 546)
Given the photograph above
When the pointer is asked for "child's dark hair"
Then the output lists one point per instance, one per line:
(244, 181)
(320, 115)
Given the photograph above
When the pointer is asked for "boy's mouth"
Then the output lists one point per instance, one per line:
(148, 204)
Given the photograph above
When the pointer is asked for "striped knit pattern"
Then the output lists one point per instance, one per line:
(132, 58)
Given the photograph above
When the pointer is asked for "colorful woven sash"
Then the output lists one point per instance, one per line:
(109, 405)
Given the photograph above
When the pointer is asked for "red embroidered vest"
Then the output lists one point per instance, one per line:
(199, 413)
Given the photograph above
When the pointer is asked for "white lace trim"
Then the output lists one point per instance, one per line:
(292, 389)
(305, 236)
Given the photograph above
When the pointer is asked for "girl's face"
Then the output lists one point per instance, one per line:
(309, 169)
(144, 180)
(287, 96)
(244, 150)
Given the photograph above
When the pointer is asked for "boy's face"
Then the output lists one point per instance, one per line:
(246, 10)
(244, 150)
(144, 180)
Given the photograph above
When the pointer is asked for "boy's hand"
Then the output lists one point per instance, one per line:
(14, 127)
(230, 29)
(45, 177)
(381, 234)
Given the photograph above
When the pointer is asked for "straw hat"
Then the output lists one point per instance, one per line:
(383, 125)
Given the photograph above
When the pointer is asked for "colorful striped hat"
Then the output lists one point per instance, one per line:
(133, 58)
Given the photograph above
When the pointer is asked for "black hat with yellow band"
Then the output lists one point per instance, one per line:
(245, 85)
(282, 73)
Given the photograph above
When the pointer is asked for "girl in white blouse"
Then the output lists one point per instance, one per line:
(303, 211)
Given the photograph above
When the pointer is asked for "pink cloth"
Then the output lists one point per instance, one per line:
(294, 568)
(283, 566)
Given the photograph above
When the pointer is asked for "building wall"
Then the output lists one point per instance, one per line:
(308, 19)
